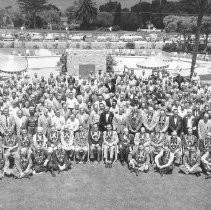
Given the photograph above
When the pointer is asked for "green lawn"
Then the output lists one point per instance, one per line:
(94, 187)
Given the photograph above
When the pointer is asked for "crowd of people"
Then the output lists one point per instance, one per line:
(152, 122)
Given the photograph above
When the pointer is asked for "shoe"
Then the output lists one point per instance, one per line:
(53, 174)
(208, 176)
(84, 162)
(77, 162)
(198, 174)
(122, 163)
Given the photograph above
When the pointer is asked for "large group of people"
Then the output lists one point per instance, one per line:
(152, 122)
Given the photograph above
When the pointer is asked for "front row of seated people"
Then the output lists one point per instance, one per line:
(24, 155)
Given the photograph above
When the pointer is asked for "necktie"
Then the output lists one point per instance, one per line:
(7, 122)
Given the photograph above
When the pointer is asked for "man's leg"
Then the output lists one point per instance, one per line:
(92, 148)
(16, 156)
(178, 156)
(7, 161)
(121, 153)
(112, 153)
(99, 151)
(105, 153)
(77, 155)
(85, 154)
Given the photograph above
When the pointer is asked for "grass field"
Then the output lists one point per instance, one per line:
(94, 187)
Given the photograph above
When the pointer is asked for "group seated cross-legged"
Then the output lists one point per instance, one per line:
(148, 124)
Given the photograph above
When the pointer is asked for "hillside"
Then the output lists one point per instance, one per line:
(63, 4)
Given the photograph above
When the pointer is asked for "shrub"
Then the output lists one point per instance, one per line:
(35, 47)
(78, 46)
(153, 46)
(116, 28)
(170, 47)
(130, 45)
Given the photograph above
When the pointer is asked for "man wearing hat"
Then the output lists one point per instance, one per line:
(139, 159)
(191, 162)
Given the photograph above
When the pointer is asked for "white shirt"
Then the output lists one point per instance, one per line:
(73, 125)
(58, 121)
(189, 122)
(71, 103)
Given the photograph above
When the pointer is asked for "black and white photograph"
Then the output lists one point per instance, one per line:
(105, 104)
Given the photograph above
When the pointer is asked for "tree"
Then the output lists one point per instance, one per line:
(181, 24)
(110, 63)
(202, 5)
(86, 13)
(143, 8)
(32, 7)
(206, 30)
(50, 17)
(104, 19)
(118, 15)
(111, 7)
(71, 12)
(130, 22)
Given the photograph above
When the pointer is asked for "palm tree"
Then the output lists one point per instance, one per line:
(202, 4)
(86, 13)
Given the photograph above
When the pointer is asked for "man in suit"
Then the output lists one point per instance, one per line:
(20, 121)
(110, 86)
(110, 100)
(175, 123)
(6, 122)
(105, 118)
(189, 122)
(45, 122)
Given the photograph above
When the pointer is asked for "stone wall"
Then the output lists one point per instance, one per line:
(86, 57)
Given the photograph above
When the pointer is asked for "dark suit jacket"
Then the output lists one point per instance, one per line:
(111, 89)
(108, 102)
(185, 122)
(103, 122)
(178, 126)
